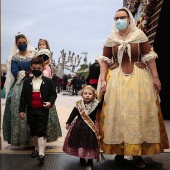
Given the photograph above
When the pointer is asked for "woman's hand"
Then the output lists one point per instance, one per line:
(103, 86)
(157, 84)
(22, 115)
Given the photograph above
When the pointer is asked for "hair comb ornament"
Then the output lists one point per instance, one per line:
(20, 33)
(44, 51)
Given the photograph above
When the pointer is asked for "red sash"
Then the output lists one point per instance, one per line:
(36, 100)
(93, 81)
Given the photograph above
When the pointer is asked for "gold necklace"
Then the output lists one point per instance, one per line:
(123, 35)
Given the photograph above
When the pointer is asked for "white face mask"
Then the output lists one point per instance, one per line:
(121, 24)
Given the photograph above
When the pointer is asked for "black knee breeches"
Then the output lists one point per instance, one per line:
(37, 119)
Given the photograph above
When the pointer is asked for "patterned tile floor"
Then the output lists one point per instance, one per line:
(64, 105)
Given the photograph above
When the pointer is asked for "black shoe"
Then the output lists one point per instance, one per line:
(139, 163)
(82, 160)
(119, 158)
(41, 158)
(34, 153)
(90, 162)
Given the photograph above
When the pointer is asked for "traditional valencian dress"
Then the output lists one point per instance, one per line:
(130, 121)
(82, 137)
(15, 129)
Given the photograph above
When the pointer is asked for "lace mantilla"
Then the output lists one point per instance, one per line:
(13, 52)
(137, 37)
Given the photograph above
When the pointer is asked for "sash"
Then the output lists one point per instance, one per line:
(89, 122)
(93, 81)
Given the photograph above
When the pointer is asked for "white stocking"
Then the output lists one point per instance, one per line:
(41, 145)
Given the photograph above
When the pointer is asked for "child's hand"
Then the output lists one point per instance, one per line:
(46, 105)
(67, 126)
(22, 115)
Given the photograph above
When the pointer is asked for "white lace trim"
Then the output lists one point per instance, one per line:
(90, 107)
(103, 58)
(147, 57)
(20, 76)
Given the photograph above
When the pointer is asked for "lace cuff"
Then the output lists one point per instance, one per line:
(106, 59)
(147, 57)
(20, 76)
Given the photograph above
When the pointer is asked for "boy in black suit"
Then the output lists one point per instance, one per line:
(37, 96)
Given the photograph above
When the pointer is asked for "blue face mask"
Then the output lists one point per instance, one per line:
(121, 24)
(22, 47)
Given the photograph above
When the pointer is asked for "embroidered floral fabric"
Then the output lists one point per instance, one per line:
(128, 98)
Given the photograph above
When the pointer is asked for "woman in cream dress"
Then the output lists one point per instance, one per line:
(130, 122)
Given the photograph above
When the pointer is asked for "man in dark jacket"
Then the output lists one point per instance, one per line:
(94, 72)
(75, 85)
(64, 83)
(55, 81)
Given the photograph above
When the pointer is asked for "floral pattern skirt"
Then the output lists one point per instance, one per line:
(16, 130)
(54, 127)
(123, 147)
(81, 141)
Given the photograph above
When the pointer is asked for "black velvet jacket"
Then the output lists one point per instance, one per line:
(47, 90)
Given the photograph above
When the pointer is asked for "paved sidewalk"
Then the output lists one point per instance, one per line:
(64, 105)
